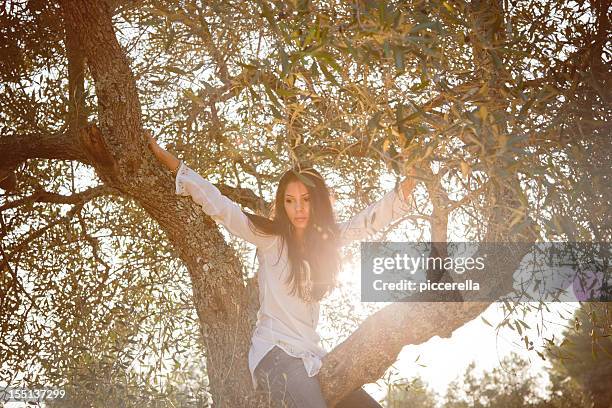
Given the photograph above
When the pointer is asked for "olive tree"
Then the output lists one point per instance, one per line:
(505, 105)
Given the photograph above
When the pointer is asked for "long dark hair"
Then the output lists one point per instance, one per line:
(314, 281)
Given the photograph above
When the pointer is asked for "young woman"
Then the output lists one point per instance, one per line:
(298, 253)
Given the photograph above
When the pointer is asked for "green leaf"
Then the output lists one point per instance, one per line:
(313, 69)
(267, 14)
(175, 70)
(284, 59)
(254, 94)
(374, 121)
(387, 49)
(328, 74)
(398, 52)
(195, 98)
(272, 97)
(328, 59)
(276, 113)
(270, 154)
(434, 25)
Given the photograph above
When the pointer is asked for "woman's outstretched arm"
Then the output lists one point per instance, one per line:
(219, 207)
(393, 206)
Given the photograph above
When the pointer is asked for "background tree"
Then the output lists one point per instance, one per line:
(584, 356)
(509, 385)
(512, 385)
(565, 394)
(108, 276)
(410, 393)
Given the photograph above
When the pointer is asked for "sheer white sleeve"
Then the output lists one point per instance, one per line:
(377, 216)
(219, 207)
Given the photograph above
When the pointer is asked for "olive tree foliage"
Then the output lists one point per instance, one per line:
(583, 359)
(579, 370)
(504, 105)
(509, 385)
(413, 393)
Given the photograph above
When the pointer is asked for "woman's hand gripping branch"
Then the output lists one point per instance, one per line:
(410, 182)
(164, 156)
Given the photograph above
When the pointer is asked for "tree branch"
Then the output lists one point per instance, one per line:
(77, 116)
(119, 110)
(38, 233)
(42, 196)
(62, 146)
(244, 196)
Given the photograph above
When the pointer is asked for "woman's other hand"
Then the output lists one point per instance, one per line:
(167, 158)
(413, 173)
(151, 142)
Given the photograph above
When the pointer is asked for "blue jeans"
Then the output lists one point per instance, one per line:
(286, 383)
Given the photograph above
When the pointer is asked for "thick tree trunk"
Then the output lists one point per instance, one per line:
(223, 303)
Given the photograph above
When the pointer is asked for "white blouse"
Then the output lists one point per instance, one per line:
(283, 319)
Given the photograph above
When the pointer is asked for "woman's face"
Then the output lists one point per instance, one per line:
(297, 204)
